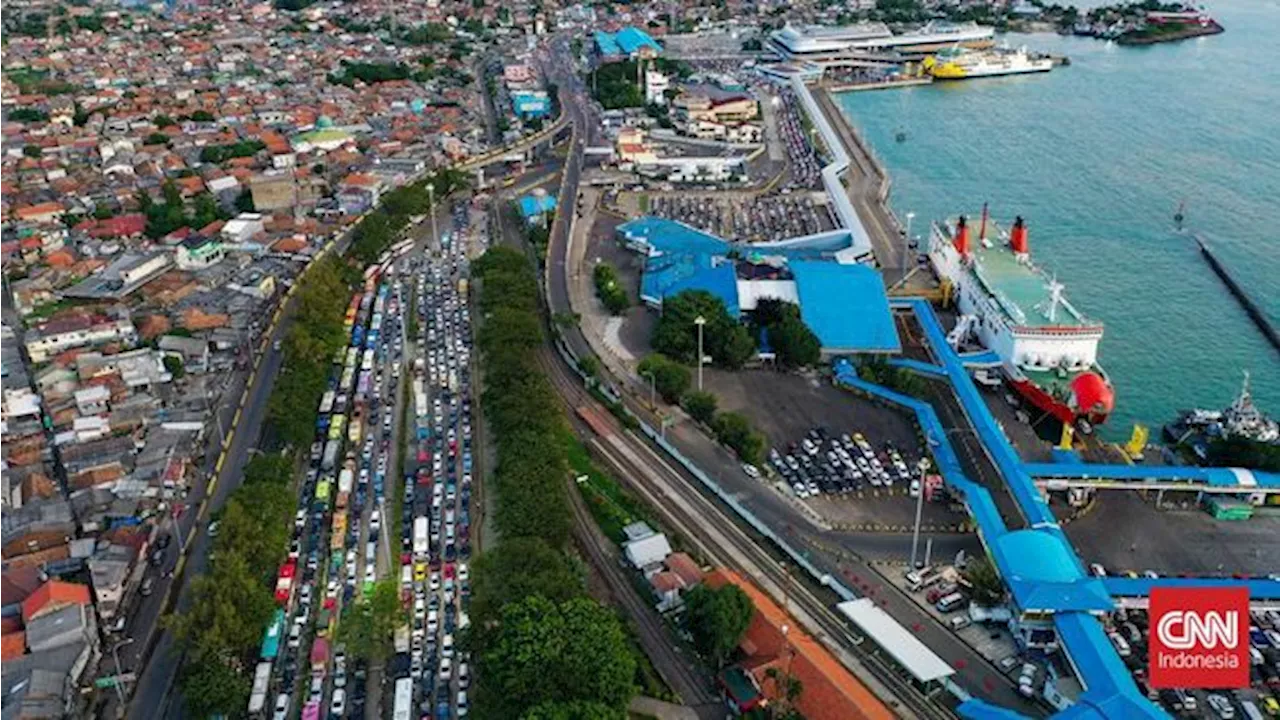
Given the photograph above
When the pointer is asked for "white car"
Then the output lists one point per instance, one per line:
(435, 581)
(751, 471)
(282, 707)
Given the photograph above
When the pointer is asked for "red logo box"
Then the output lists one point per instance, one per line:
(1199, 637)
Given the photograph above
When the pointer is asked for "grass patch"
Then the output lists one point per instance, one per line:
(612, 507)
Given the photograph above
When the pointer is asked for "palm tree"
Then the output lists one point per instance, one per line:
(790, 687)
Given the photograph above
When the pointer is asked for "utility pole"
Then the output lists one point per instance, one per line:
(906, 242)
(700, 321)
(915, 533)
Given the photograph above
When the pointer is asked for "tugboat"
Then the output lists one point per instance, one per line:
(1197, 428)
(1047, 347)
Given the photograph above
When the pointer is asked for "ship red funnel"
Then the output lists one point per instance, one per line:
(1018, 237)
(962, 236)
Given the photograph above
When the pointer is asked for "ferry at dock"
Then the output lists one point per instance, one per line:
(960, 63)
(1047, 348)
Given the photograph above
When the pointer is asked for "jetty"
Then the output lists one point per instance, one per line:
(1251, 309)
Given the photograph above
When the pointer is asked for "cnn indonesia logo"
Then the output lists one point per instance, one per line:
(1199, 637)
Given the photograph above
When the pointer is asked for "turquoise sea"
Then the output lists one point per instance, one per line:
(1097, 156)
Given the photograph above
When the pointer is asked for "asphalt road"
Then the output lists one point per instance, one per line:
(153, 683)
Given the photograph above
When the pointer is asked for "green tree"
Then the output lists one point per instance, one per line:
(173, 364)
(734, 430)
(157, 138)
(791, 339)
(670, 378)
(520, 567)
(103, 211)
(676, 335)
(202, 116)
(32, 151)
(575, 710)
(27, 114)
(701, 406)
(211, 686)
(788, 689)
(543, 652)
(984, 582)
(163, 121)
(609, 289)
(244, 201)
(717, 619)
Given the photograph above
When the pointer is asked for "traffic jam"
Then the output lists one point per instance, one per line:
(431, 674)
(339, 547)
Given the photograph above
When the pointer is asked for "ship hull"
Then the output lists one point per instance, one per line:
(1051, 405)
(953, 73)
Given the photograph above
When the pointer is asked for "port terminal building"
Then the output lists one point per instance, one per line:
(817, 43)
(841, 298)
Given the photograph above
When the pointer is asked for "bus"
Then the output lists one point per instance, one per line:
(403, 709)
(271, 640)
(326, 402)
(353, 432)
(367, 363)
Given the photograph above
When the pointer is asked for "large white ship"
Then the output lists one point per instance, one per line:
(1047, 348)
(960, 63)
(818, 43)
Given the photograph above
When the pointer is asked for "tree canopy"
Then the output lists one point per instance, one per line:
(717, 619)
(676, 335)
(520, 567)
(609, 289)
(670, 378)
(544, 655)
(791, 339)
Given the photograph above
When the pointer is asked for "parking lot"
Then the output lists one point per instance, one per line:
(1129, 631)
(771, 217)
(1126, 532)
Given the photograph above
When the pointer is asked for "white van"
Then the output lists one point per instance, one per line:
(951, 602)
(446, 647)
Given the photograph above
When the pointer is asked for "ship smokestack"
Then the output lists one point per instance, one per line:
(982, 229)
(962, 237)
(1018, 237)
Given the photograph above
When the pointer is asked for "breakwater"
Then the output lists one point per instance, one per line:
(1251, 309)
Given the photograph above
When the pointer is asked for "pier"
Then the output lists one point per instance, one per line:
(1264, 325)
(878, 85)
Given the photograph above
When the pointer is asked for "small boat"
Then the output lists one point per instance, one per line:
(901, 135)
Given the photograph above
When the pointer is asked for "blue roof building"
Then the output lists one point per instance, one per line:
(629, 42)
(843, 302)
(534, 208)
(528, 105)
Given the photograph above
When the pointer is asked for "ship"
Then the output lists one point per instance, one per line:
(1046, 348)
(1197, 428)
(960, 63)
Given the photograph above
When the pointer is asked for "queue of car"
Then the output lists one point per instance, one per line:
(436, 528)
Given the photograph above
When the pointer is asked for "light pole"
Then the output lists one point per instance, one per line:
(932, 442)
(906, 240)
(115, 653)
(653, 403)
(431, 195)
(700, 321)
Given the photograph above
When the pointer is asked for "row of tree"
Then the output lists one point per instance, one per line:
(542, 648)
(609, 289)
(220, 631)
(218, 153)
(313, 339)
(382, 227)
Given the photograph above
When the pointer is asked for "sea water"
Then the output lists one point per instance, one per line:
(1097, 156)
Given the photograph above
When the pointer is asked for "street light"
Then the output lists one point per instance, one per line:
(115, 653)
(700, 321)
(653, 403)
(906, 240)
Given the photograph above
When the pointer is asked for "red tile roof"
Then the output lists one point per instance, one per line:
(54, 594)
(831, 692)
(13, 645)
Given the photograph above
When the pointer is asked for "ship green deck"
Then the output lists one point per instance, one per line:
(1022, 290)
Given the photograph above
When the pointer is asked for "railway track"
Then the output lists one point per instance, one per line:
(674, 669)
(720, 540)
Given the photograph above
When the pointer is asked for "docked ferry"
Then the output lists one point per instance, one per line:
(1047, 348)
(960, 63)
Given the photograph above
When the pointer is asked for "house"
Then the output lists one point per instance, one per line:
(358, 192)
(193, 351)
(273, 192)
(109, 571)
(243, 227)
(646, 553)
(197, 252)
(53, 338)
(42, 213)
(775, 648)
(51, 597)
(67, 625)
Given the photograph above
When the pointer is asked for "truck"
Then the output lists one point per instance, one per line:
(402, 638)
(261, 682)
(330, 455)
(319, 655)
(421, 546)
(347, 477)
(403, 708)
(339, 530)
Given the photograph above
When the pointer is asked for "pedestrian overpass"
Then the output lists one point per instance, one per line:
(1133, 593)
(1238, 481)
